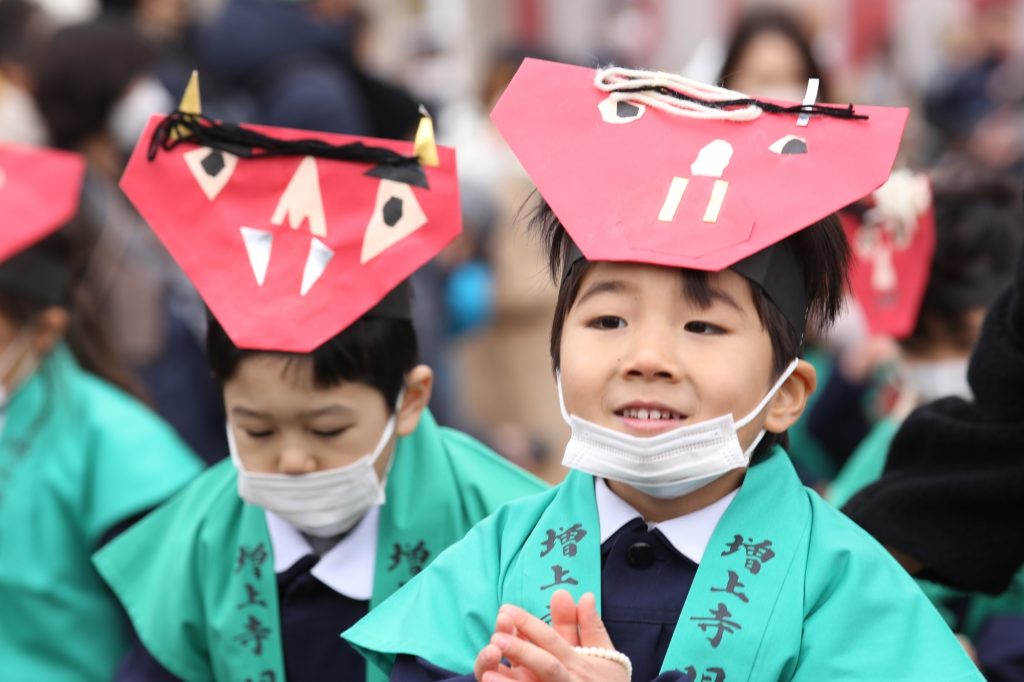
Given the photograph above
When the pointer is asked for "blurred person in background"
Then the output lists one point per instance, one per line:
(978, 226)
(24, 30)
(80, 458)
(948, 504)
(95, 91)
(770, 54)
(170, 29)
(976, 106)
(977, 219)
(301, 65)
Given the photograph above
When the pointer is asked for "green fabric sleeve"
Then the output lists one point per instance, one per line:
(486, 479)
(866, 619)
(445, 612)
(138, 461)
(170, 622)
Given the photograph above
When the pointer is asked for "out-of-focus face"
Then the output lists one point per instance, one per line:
(284, 424)
(770, 66)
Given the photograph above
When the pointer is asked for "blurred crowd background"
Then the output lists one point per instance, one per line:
(86, 74)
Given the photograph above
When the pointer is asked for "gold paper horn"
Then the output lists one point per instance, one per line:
(425, 147)
(190, 104)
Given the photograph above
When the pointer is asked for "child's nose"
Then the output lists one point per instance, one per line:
(294, 460)
(651, 357)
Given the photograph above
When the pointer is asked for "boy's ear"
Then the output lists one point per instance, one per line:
(50, 327)
(788, 404)
(419, 384)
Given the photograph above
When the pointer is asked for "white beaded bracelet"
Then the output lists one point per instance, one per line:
(608, 654)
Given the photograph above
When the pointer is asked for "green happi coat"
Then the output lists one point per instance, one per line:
(77, 457)
(183, 572)
(788, 589)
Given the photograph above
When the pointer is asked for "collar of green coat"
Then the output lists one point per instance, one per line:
(528, 550)
(218, 549)
(737, 584)
(35, 399)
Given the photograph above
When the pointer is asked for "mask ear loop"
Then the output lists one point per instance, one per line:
(561, 398)
(740, 423)
(748, 453)
(389, 430)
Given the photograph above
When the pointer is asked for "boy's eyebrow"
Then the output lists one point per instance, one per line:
(241, 411)
(326, 410)
(614, 286)
(717, 294)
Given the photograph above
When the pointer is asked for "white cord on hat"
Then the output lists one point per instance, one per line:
(621, 84)
(609, 655)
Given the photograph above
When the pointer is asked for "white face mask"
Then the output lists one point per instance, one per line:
(129, 115)
(323, 503)
(667, 465)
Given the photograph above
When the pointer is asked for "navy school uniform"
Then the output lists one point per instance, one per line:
(318, 598)
(646, 573)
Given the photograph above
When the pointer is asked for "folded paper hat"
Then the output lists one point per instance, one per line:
(291, 236)
(39, 193)
(892, 239)
(650, 167)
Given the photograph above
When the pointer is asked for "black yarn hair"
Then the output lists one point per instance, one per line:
(821, 247)
(375, 351)
(979, 226)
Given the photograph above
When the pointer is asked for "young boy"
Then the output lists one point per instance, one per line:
(682, 547)
(340, 486)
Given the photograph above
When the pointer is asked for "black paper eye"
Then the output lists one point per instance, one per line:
(396, 214)
(790, 144)
(620, 111)
(211, 168)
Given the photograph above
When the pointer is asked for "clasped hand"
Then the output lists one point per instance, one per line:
(538, 652)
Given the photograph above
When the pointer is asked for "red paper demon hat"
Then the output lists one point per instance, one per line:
(649, 167)
(892, 238)
(39, 193)
(290, 236)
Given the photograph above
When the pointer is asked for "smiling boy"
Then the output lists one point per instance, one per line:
(340, 486)
(682, 545)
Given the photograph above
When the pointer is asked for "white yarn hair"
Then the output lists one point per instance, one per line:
(617, 81)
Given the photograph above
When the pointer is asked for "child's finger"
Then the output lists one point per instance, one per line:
(524, 654)
(503, 623)
(489, 659)
(539, 633)
(563, 617)
(592, 630)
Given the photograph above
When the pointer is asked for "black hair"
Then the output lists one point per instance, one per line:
(86, 69)
(376, 351)
(979, 225)
(821, 247)
(772, 20)
(88, 333)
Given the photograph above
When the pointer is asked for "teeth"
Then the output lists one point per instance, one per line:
(641, 413)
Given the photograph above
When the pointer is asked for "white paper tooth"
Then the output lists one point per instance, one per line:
(316, 262)
(642, 413)
(258, 244)
(655, 414)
